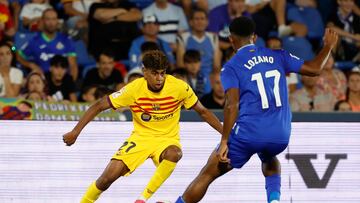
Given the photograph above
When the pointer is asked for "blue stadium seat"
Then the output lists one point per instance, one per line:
(298, 46)
(310, 17)
(83, 58)
(260, 42)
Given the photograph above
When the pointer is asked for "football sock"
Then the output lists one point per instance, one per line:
(162, 172)
(92, 194)
(273, 184)
(180, 200)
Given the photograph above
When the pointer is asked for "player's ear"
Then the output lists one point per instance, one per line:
(253, 38)
(231, 40)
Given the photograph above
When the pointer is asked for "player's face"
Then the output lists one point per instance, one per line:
(23, 107)
(5, 56)
(106, 65)
(50, 20)
(199, 22)
(155, 79)
(36, 84)
(354, 83)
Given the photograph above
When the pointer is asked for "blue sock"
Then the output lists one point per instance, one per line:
(273, 184)
(180, 200)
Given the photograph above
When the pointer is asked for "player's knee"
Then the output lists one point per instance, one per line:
(104, 182)
(172, 153)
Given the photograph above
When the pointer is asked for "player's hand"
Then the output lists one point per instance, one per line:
(70, 138)
(222, 153)
(330, 38)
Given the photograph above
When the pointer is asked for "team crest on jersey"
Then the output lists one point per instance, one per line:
(156, 107)
(145, 117)
(59, 46)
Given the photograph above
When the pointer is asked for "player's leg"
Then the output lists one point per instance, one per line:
(112, 172)
(197, 189)
(271, 169)
(167, 163)
(272, 172)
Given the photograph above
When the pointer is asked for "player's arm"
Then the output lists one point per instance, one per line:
(101, 105)
(208, 116)
(314, 67)
(231, 110)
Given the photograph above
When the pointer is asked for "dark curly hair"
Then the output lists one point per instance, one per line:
(155, 60)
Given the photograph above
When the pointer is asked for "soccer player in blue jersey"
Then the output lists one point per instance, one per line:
(257, 116)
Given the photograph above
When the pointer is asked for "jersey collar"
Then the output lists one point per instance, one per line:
(245, 46)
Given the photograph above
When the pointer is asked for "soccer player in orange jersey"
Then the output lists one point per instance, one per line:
(155, 101)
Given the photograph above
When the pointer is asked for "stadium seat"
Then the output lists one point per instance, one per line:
(260, 42)
(298, 46)
(310, 17)
(83, 58)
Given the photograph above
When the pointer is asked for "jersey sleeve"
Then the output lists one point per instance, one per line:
(122, 98)
(291, 62)
(70, 47)
(228, 78)
(189, 96)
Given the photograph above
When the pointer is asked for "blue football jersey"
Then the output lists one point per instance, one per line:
(40, 49)
(260, 75)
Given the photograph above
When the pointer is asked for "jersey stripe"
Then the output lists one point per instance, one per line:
(154, 99)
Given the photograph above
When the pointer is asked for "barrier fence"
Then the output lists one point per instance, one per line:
(321, 164)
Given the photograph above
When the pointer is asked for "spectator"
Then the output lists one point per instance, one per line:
(332, 80)
(311, 98)
(37, 53)
(172, 20)
(133, 74)
(15, 6)
(36, 83)
(77, 10)
(88, 94)
(271, 16)
(181, 73)
(216, 98)
(112, 24)
(150, 29)
(34, 96)
(196, 79)
(31, 13)
(345, 22)
(105, 74)
(221, 16)
(343, 106)
(198, 39)
(205, 5)
(102, 91)
(353, 91)
(10, 78)
(7, 27)
(292, 78)
(61, 85)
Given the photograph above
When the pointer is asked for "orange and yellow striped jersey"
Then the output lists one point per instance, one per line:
(155, 113)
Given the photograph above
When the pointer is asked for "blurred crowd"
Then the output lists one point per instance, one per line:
(81, 50)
